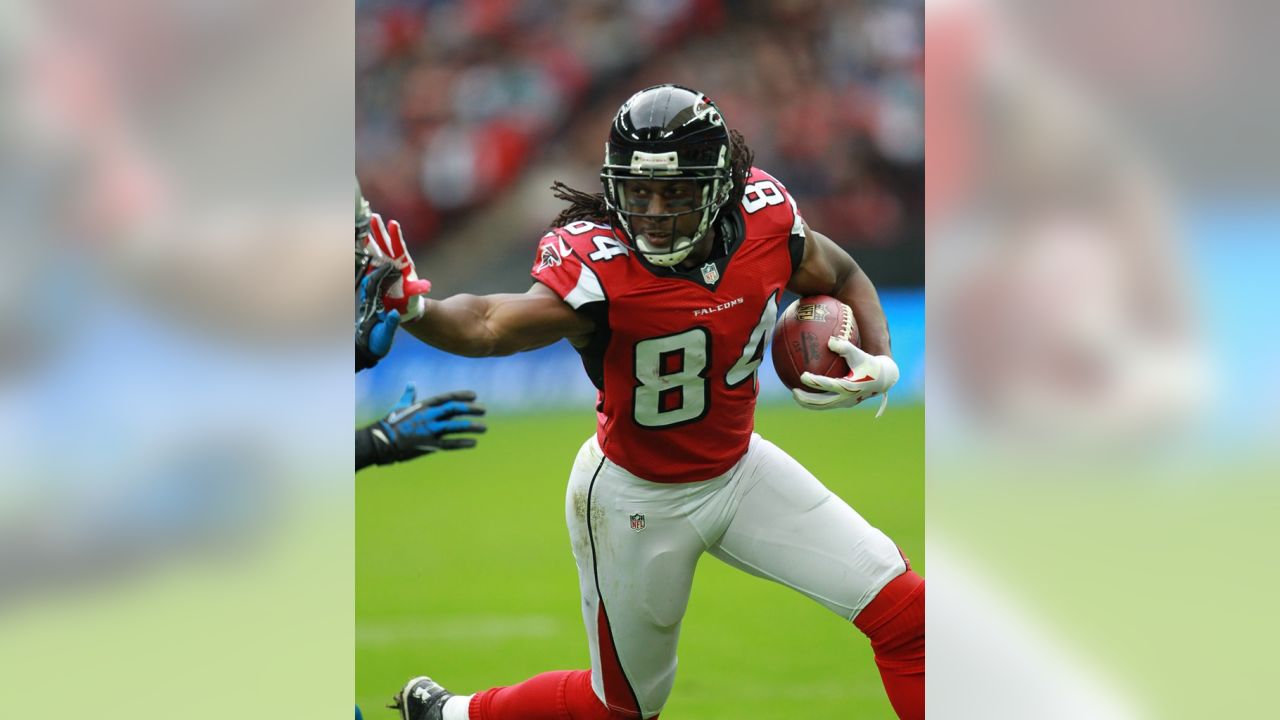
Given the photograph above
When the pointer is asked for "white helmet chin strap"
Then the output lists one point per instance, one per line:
(665, 257)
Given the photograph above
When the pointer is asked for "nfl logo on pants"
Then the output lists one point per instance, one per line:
(637, 522)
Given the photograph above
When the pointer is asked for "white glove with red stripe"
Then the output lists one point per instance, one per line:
(386, 245)
(869, 375)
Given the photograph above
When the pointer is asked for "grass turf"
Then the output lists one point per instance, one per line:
(464, 573)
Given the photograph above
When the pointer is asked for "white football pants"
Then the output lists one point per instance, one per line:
(637, 542)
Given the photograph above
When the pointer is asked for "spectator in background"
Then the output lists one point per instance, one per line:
(457, 101)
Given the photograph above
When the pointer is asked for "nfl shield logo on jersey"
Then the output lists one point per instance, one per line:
(710, 274)
(637, 522)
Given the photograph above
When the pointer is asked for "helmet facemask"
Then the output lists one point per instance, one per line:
(363, 219)
(628, 187)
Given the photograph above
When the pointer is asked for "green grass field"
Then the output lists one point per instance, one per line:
(464, 573)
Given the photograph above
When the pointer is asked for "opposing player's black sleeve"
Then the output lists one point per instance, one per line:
(364, 358)
(365, 455)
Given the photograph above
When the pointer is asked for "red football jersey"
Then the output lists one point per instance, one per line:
(675, 353)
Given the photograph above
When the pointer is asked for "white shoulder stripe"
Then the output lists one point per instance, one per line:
(797, 225)
(587, 290)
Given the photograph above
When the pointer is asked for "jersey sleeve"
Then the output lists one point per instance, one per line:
(557, 266)
(767, 200)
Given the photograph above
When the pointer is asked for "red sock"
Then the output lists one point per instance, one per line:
(560, 695)
(894, 621)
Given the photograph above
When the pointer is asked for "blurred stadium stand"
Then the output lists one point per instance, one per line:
(467, 110)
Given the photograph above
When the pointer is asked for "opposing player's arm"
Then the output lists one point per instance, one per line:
(501, 324)
(828, 270)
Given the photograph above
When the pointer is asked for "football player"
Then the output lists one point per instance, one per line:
(668, 285)
(413, 427)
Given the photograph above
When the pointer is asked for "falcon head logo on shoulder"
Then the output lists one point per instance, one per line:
(550, 257)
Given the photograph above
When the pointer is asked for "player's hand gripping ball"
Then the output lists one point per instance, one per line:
(800, 339)
(816, 354)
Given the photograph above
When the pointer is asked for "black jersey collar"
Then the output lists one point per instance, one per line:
(730, 232)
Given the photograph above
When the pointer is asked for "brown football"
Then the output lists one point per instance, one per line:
(800, 339)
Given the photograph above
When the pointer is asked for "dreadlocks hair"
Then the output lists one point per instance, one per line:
(582, 206)
(592, 207)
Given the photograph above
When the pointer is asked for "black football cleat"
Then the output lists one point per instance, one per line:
(421, 699)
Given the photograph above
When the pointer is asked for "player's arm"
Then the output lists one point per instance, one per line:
(502, 324)
(828, 270)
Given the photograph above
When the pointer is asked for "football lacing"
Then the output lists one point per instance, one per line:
(846, 321)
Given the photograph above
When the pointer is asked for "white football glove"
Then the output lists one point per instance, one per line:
(386, 244)
(869, 375)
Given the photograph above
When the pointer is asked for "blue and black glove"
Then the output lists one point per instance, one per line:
(375, 325)
(419, 427)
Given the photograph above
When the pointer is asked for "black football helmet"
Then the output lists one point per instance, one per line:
(667, 133)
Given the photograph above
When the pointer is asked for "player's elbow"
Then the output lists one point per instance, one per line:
(490, 347)
(479, 342)
(850, 279)
(473, 351)
(470, 340)
(486, 341)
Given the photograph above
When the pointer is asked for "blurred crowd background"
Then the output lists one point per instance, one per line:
(467, 109)
(175, 356)
(1099, 239)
